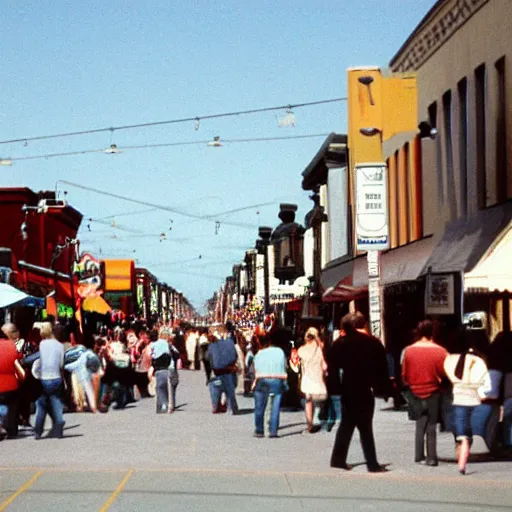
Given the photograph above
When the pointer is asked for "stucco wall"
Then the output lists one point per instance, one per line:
(483, 38)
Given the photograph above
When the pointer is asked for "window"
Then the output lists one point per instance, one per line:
(480, 106)
(432, 117)
(462, 90)
(501, 133)
(448, 146)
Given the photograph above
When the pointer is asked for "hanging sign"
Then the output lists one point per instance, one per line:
(371, 207)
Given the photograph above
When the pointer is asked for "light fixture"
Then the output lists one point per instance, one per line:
(369, 132)
(215, 143)
(113, 149)
(288, 120)
(367, 81)
(427, 131)
(5, 161)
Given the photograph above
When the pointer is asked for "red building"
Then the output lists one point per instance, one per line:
(38, 236)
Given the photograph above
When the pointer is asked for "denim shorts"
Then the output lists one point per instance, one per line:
(462, 421)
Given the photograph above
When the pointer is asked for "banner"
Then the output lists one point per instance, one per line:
(371, 207)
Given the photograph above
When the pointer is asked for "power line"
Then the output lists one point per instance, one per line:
(148, 204)
(166, 144)
(173, 121)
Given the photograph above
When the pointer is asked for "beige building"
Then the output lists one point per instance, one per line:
(461, 53)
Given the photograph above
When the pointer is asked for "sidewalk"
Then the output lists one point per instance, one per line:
(192, 458)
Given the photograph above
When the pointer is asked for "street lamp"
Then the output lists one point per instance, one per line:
(262, 244)
(287, 240)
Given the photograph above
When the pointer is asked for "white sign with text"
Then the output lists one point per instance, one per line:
(371, 207)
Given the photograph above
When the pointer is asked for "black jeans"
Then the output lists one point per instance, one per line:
(426, 425)
(356, 412)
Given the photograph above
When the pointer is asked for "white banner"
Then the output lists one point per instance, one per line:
(371, 207)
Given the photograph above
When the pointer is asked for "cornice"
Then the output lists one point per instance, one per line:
(436, 28)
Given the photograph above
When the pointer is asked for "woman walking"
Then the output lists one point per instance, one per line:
(471, 383)
(313, 367)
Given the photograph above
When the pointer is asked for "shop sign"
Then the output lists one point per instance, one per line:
(440, 294)
(371, 207)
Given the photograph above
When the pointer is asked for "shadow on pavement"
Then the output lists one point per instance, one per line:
(178, 407)
(288, 434)
(242, 412)
(291, 425)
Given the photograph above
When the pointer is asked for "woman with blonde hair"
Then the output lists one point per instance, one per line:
(51, 363)
(313, 368)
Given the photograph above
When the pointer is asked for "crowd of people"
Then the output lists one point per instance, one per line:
(336, 380)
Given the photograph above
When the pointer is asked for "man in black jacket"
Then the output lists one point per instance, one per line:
(360, 360)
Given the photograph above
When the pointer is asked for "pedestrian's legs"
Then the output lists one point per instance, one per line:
(308, 410)
(260, 404)
(162, 391)
(42, 406)
(419, 438)
(274, 414)
(433, 408)
(90, 394)
(229, 388)
(365, 427)
(215, 387)
(343, 437)
(507, 422)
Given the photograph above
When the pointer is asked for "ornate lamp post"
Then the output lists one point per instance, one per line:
(262, 247)
(287, 240)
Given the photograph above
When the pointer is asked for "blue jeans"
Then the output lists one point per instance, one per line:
(49, 402)
(333, 407)
(265, 388)
(223, 383)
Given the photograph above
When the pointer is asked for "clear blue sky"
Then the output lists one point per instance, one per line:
(71, 66)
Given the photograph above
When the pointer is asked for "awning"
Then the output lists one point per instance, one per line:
(295, 305)
(467, 241)
(10, 295)
(96, 305)
(493, 272)
(397, 265)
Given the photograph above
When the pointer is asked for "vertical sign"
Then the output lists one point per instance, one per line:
(371, 207)
(374, 294)
(372, 232)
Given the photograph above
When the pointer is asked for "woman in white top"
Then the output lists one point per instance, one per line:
(471, 382)
(313, 368)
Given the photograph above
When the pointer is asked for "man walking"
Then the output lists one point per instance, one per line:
(360, 359)
(223, 359)
(423, 372)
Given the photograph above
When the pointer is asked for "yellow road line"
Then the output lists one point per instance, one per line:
(119, 488)
(21, 490)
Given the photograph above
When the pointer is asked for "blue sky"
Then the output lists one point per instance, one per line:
(72, 66)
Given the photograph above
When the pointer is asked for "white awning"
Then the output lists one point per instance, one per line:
(10, 295)
(494, 270)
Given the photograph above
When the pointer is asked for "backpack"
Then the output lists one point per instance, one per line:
(92, 362)
(121, 361)
(71, 355)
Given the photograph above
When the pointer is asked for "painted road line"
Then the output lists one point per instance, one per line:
(114, 495)
(21, 490)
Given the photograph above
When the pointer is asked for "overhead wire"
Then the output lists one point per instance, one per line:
(166, 144)
(153, 205)
(173, 121)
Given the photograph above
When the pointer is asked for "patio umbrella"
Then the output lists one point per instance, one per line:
(10, 295)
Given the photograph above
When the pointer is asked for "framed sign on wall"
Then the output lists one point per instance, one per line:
(440, 294)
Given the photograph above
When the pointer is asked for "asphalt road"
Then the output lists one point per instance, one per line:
(195, 461)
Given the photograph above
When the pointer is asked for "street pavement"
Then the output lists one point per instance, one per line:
(134, 460)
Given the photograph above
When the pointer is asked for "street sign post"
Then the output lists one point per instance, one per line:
(372, 232)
